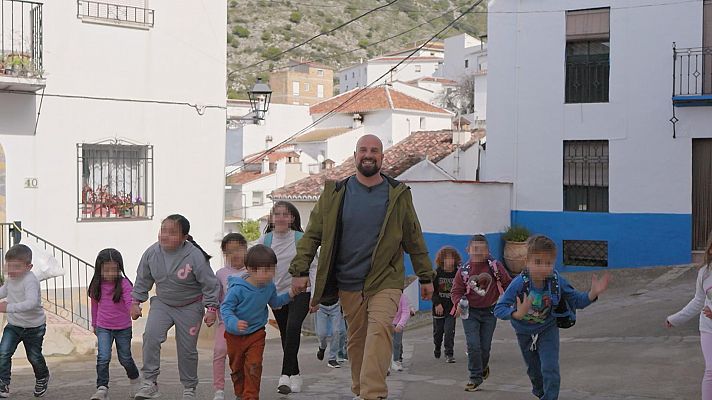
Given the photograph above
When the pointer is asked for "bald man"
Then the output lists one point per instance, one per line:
(363, 224)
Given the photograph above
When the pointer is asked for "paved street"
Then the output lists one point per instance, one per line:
(618, 350)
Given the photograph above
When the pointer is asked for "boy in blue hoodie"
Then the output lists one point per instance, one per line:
(529, 301)
(244, 312)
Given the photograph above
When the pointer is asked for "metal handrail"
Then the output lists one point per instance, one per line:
(84, 9)
(66, 295)
(691, 71)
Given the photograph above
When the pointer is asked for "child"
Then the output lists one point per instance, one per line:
(446, 260)
(476, 288)
(530, 302)
(700, 305)
(234, 247)
(185, 286)
(401, 319)
(110, 294)
(25, 319)
(329, 322)
(244, 312)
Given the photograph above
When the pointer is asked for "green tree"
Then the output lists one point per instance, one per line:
(295, 17)
(250, 230)
(271, 53)
(240, 31)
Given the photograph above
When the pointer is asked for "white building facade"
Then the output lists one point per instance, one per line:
(119, 132)
(579, 121)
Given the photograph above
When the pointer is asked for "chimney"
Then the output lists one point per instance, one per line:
(265, 165)
(461, 137)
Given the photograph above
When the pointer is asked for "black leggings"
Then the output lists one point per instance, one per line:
(289, 319)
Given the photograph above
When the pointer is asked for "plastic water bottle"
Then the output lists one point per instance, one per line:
(464, 308)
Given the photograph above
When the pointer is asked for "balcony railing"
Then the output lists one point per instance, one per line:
(20, 39)
(115, 13)
(692, 76)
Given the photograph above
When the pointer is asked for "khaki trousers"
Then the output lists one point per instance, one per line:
(370, 344)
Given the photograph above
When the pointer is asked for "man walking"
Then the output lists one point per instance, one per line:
(363, 224)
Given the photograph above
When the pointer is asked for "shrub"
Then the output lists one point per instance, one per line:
(241, 31)
(295, 17)
(516, 233)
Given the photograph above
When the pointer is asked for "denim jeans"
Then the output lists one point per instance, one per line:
(342, 339)
(105, 338)
(32, 339)
(542, 361)
(328, 326)
(444, 326)
(397, 346)
(479, 329)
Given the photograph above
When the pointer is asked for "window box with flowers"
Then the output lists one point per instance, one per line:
(116, 181)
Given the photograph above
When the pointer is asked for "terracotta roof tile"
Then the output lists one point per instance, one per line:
(372, 99)
(434, 145)
(244, 177)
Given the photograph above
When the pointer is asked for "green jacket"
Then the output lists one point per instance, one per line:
(400, 231)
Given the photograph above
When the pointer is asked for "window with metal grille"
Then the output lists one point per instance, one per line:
(115, 180)
(586, 253)
(586, 175)
(587, 55)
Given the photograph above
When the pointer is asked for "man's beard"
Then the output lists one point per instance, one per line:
(368, 171)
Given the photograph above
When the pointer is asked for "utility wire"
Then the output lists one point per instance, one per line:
(356, 95)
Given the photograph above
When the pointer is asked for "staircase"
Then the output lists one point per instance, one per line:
(64, 298)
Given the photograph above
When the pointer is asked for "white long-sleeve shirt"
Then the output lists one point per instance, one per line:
(285, 248)
(24, 303)
(703, 297)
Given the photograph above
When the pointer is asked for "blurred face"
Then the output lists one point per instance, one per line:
(282, 219)
(16, 269)
(170, 236)
(478, 251)
(540, 265)
(235, 254)
(262, 275)
(449, 263)
(110, 270)
(369, 155)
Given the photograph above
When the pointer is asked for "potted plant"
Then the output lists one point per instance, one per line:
(515, 247)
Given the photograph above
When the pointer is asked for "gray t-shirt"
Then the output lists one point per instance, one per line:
(364, 210)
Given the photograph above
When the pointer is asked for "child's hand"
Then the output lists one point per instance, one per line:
(210, 318)
(3, 306)
(242, 325)
(668, 324)
(522, 307)
(707, 312)
(313, 309)
(439, 309)
(455, 312)
(398, 328)
(598, 286)
(135, 311)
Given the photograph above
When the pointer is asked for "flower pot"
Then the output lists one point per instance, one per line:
(515, 256)
(139, 210)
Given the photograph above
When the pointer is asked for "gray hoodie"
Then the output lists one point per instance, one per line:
(182, 277)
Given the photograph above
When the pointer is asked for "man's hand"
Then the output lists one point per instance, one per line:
(299, 284)
(242, 325)
(439, 309)
(313, 309)
(3, 306)
(210, 318)
(426, 291)
(135, 311)
(522, 307)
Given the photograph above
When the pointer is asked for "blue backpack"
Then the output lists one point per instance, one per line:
(563, 312)
(268, 238)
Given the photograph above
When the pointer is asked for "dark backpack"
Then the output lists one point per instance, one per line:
(563, 312)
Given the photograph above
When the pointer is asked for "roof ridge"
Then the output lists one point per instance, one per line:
(388, 97)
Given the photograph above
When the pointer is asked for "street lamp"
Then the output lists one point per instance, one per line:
(259, 95)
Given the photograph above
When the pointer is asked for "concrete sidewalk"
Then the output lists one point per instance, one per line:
(619, 349)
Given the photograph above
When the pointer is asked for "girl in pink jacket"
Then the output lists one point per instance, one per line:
(402, 316)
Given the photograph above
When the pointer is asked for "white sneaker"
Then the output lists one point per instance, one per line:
(134, 385)
(396, 366)
(219, 395)
(147, 390)
(295, 383)
(284, 385)
(102, 393)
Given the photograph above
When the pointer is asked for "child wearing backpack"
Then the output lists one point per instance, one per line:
(447, 260)
(477, 286)
(538, 302)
